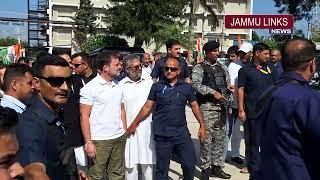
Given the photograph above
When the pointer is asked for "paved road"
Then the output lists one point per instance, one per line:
(175, 169)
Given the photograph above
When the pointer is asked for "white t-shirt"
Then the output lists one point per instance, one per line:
(105, 99)
(233, 69)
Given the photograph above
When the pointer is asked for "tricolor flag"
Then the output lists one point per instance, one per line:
(199, 49)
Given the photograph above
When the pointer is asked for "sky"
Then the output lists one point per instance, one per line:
(13, 8)
(18, 8)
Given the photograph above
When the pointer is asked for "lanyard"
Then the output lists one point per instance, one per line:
(268, 71)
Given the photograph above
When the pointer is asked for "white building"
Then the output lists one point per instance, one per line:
(60, 36)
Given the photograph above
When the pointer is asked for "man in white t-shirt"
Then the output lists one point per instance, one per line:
(245, 55)
(102, 120)
(140, 148)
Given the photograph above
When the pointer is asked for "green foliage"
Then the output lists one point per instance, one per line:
(273, 44)
(171, 32)
(9, 41)
(255, 36)
(85, 22)
(99, 41)
(142, 19)
(298, 8)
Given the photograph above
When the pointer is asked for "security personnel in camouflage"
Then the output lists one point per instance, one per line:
(211, 82)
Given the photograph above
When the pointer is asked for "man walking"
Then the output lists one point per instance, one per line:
(83, 74)
(170, 130)
(17, 86)
(140, 150)
(103, 120)
(173, 51)
(211, 81)
(289, 119)
(253, 79)
(234, 121)
(43, 150)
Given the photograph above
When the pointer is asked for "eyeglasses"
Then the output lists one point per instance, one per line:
(172, 69)
(135, 68)
(57, 81)
(77, 65)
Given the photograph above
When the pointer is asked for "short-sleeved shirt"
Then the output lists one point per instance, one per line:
(158, 69)
(255, 83)
(37, 133)
(105, 98)
(233, 69)
(290, 132)
(169, 116)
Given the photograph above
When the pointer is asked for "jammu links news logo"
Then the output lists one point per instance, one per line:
(277, 24)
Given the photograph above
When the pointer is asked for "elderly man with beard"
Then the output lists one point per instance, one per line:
(140, 147)
(102, 120)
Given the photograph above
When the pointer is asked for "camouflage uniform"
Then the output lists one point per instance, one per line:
(214, 113)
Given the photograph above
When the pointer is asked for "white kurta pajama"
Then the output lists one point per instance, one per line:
(139, 147)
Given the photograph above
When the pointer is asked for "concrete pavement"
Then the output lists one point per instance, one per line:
(231, 168)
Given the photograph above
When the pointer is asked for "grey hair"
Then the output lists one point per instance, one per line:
(129, 58)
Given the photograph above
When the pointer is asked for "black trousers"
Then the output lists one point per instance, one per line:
(252, 148)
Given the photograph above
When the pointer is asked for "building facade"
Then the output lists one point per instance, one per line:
(60, 36)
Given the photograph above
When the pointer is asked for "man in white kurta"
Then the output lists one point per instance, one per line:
(140, 147)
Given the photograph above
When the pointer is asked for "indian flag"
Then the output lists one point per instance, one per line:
(199, 49)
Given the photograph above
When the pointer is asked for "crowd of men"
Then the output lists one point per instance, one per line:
(62, 119)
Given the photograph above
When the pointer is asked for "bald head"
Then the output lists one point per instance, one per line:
(297, 53)
(173, 61)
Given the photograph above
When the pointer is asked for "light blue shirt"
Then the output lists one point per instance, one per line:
(13, 103)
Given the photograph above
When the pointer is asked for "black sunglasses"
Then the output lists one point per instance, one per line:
(57, 81)
(77, 65)
(135, 68)
(172, 69)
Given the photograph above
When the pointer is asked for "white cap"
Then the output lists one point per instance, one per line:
(246, 47)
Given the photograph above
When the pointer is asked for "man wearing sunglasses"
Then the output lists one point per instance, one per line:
(173, 51)
(83, 74)
(171, 134)
(140, 150)
(40, 132)
(211, 81)
(102, 120)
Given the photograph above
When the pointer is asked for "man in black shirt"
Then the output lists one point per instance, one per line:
(71, 111)
(173, 51)
(41, 135)
(253, 79)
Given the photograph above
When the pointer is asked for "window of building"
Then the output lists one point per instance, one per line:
(65, 14)
(64, 34)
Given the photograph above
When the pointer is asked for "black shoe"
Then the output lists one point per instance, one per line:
(205, 174)
(237, 160)
(216, 171)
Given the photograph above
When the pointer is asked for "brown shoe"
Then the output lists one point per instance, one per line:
(244, 170)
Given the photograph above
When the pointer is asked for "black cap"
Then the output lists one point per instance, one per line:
(210, 46)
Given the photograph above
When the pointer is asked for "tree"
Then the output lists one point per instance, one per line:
(85, 22)
(255, 36)
(9, 41)
(171, 32)
(208, 5)
(142, 19)
(99, 41)
(300, 9)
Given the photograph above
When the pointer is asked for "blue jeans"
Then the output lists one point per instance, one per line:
(183, 148)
